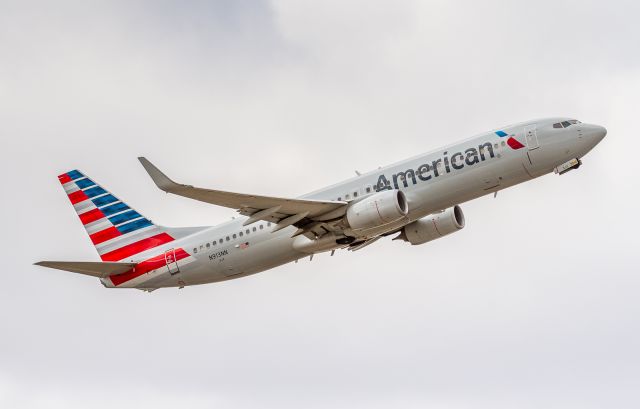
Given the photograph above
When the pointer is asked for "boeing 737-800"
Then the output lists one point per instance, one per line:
(416, 200)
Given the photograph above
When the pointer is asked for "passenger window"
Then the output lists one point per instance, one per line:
(234, 236)
(254, 229)
(241, 234)
(201, 247)
(355, 194)
(268, 224)
(208, 245)
(261, 227)
(195, 250)
(346, 197)
(368, 189)
(248, 231)
(228, 238)
(339, 199)
(214, 242)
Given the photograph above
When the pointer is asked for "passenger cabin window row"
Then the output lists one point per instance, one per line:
(566, 124)
(234, 236)
(368, 189)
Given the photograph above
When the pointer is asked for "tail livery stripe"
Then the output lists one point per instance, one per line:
(137, 247)
(85, 183)
(123, 217)
(70, 187)
(145, 266)
(77, 197)
(133, 226)
(91, 216)
(75, 174)
(83, 206)
(104, 235)
(116, 230)
(104, 230)
(97, 226)
(121, 241)
(94, 191)
(104, 200)
(114, 208)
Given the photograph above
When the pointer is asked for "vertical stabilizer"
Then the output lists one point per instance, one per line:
(116, 230)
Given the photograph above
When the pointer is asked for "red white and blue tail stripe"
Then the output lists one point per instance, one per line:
(117, 231)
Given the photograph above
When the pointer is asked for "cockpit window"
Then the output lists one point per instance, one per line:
(566, 124)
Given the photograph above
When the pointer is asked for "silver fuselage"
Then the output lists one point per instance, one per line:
(433, 181)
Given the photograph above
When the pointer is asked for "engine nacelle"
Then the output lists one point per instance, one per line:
(377, 210)
(433, 226)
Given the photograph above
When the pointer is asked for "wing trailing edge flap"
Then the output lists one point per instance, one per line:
(97, 269)
(361, 245)
(257, 207)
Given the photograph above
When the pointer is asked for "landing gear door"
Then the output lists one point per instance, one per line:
(172, 263)
(531, 137)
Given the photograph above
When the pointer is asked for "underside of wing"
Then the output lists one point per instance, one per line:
(302, 213)
(97, 269)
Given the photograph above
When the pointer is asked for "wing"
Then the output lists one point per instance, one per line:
(90, 268)
(307, 215)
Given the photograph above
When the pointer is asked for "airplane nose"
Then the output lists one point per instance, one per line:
(596, 133)
(599, 132)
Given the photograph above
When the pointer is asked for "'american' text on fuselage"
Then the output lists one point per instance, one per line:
(427, 171)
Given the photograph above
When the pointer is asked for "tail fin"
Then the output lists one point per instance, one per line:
(116, 230)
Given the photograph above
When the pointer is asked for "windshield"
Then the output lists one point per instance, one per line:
(566, 124)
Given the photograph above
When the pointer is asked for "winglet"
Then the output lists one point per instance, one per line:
(160, 179)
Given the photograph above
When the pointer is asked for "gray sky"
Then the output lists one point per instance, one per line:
(535, 304)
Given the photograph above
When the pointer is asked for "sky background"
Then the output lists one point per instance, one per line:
(534, 304)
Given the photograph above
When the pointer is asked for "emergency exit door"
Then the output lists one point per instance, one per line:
(172, 263)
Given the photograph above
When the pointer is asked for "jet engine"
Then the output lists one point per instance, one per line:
(377, 210)
(433, 226)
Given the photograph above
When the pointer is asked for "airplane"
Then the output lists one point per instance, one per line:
(416, 200)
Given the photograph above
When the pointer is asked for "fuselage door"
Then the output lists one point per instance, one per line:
(532, 137)
(172, 263)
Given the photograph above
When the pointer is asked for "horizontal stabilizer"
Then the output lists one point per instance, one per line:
(90, 268)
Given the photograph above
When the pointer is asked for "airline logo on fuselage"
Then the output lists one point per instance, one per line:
(446, 164)
(511, 141)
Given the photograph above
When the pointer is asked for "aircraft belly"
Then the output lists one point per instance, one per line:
(240, 261)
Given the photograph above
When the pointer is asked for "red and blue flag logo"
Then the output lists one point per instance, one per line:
(511, 141)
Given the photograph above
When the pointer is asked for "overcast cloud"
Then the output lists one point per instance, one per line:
(534, 304)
